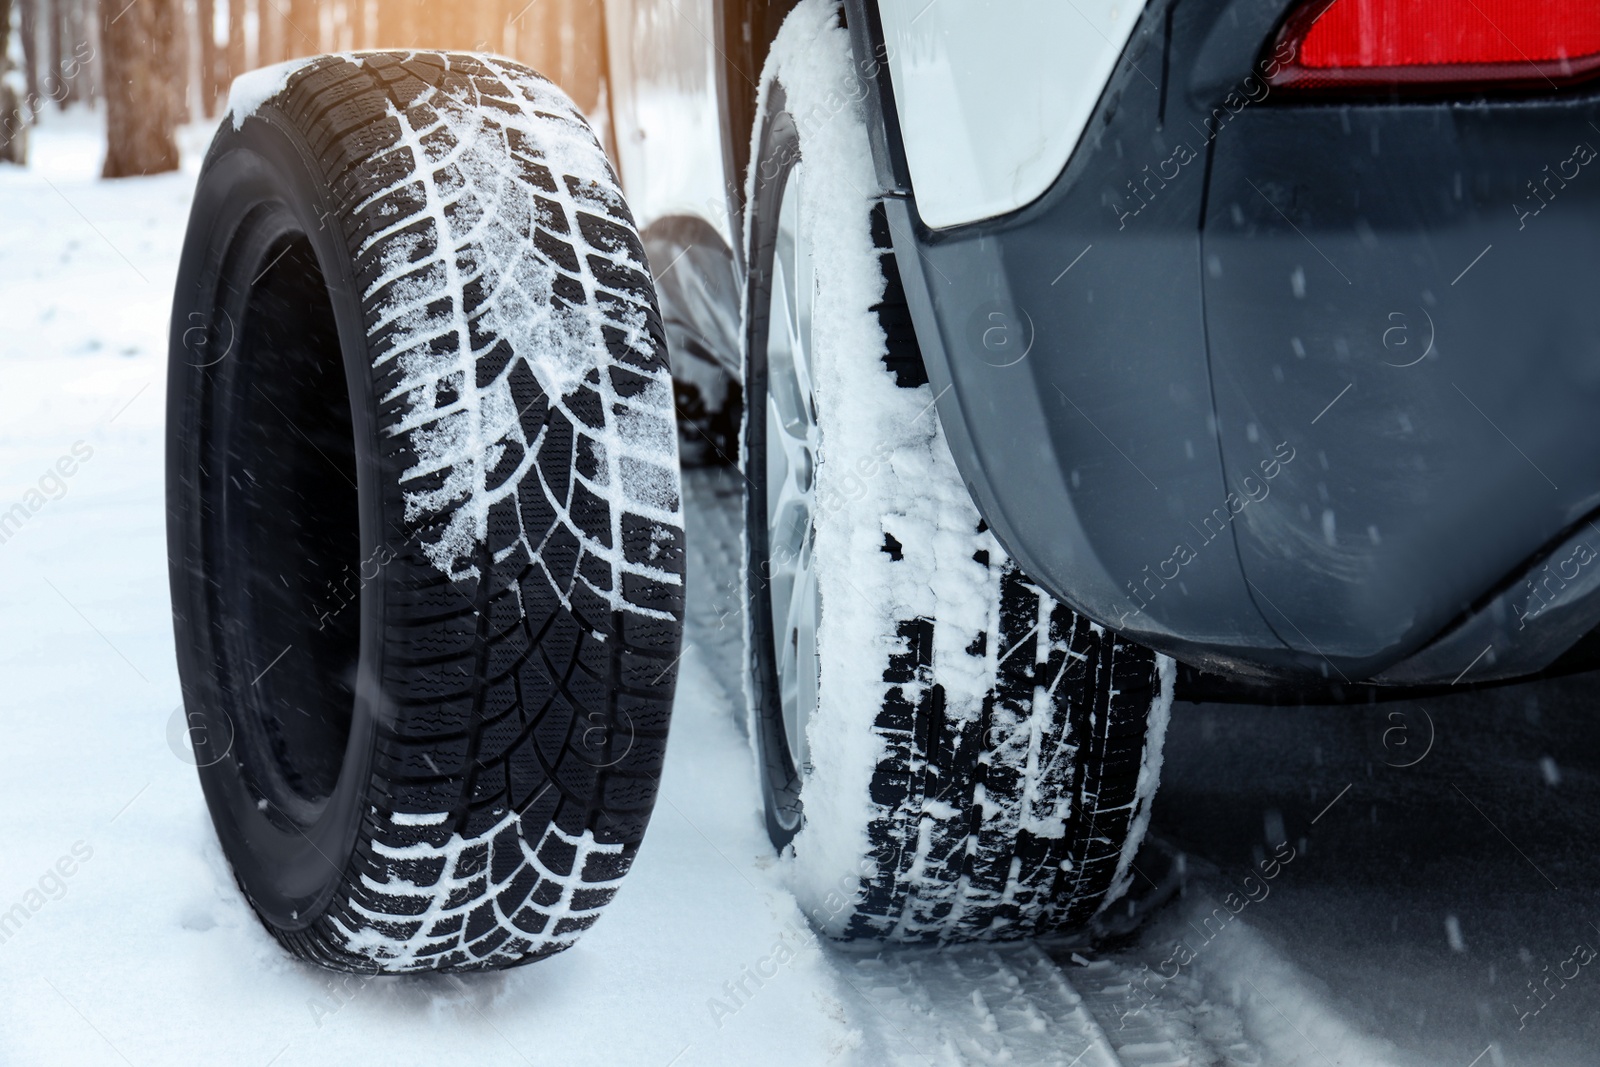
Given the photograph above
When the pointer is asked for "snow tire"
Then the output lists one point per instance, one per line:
(424, 521)
(981, 759)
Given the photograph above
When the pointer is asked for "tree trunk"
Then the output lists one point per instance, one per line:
(438, 25)
(205, 28)
(460, 32)
(71, 35)
(234, 59)
(13, 129)
(29, 29)
(305, 28)
(178, 53)
(391, 29)
(140, 115)
(87, 49)
(57, 88)
(482, 23)
(413, 24)
(272, 33)
(366, 37)
(5, 33)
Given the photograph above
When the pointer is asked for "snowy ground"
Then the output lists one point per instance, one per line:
(1415, 909)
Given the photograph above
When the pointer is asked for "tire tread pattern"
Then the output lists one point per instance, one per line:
(1012, 823)
(534, 602)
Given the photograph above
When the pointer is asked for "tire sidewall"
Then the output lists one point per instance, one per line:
(290, 873)
(777, 152)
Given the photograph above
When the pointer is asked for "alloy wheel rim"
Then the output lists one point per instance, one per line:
(792, 440)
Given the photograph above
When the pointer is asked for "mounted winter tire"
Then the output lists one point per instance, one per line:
(946, 752)
(423, 510)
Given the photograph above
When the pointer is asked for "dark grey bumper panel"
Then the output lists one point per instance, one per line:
(1373, 259)
(1084, 459)
(1286, 391)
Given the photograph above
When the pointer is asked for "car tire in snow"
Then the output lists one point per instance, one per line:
(424, 518)
(946, 752)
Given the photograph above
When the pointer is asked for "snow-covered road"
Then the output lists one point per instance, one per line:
(145, 952)
(1414, 907)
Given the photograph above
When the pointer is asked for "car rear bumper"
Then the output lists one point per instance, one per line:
(1288, 390)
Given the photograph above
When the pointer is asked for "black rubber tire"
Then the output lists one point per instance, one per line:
(1008, 796)
(424, 522)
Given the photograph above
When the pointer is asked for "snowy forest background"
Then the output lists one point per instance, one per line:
(153, 65)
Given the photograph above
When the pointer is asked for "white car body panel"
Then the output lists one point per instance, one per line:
(994, 95)
(663, 83)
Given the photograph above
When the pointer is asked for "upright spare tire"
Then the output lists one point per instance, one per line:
(424, 521)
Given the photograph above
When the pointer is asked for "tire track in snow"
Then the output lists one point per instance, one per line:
(1164, 1035)
(1018, 1003)
(1235, 999)
(969, 1005)
(921, 1007)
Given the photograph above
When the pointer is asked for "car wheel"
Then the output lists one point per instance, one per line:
(424, 526)
(946, 752)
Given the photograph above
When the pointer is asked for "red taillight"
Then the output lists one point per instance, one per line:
(1338, 44)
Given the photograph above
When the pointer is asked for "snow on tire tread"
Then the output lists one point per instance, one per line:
(991, 753)
(524, 401)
